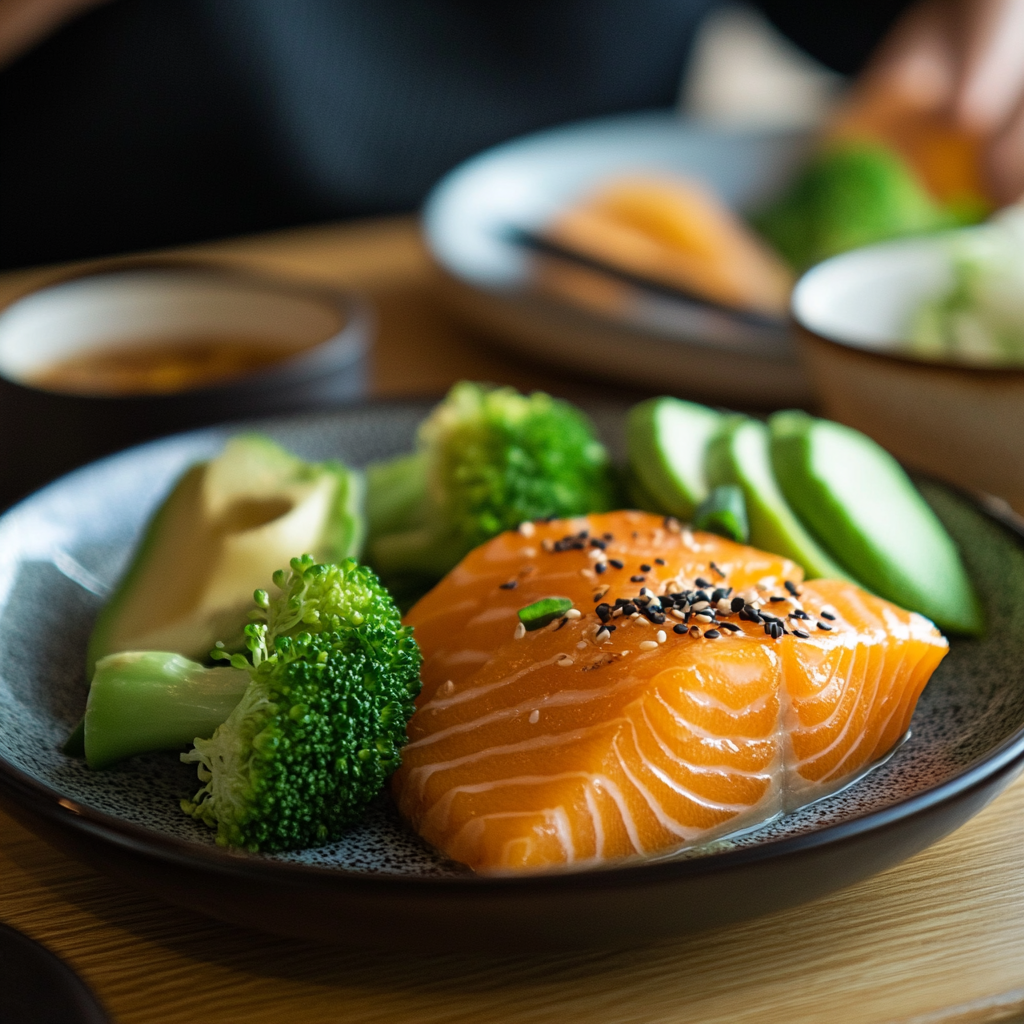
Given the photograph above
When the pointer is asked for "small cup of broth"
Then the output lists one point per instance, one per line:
(95, 363)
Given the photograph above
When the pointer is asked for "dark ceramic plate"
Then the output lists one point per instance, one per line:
(62, 548)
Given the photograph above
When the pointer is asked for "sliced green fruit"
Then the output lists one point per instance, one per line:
(667, 440)
(724, 511)
(739, 454)
(227, 525)
(858, 500)
(155, 700)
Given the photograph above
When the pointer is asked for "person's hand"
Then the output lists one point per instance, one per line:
(962, 60)
(23, 23)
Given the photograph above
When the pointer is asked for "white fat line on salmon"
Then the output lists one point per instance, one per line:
(667, 822)
(422, 773)
(473, 692)
(698, 731)
(597, 818)
(490, 615)
(563, 698)
(724, 772)
(676, 787)
(705, 700)
(437, 815)
(553, 816)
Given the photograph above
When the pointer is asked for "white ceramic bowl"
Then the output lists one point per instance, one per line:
(963, 423)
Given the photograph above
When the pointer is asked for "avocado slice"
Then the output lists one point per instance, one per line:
(739, 454)
(227, 525)
(667, 439)
(857, 498)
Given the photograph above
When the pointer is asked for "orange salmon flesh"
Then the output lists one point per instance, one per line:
(571, 746)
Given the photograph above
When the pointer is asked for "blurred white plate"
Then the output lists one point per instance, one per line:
(643, 339)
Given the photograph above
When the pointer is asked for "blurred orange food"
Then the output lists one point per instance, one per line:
(676, 232)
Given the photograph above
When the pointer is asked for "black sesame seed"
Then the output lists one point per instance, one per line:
(637, 579)
(829, 616)
(737, 604)
(731, 626)
(717, 595)
(595, 543)
(775, 600)
(629, 608)
(614, 563)
(791, 587)
(600, 568)
(604, 612)
(511, 585)
(659, 561)
(645, 568)
(768, 617)
(700, 596)
(715, 568)
(824, 625)
(800, 633)
(608, 536)
(679, 628)
(583, 534)
(701, 582)
(656, 617)
(712, 634)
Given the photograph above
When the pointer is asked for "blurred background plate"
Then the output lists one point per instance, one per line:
(629, 334)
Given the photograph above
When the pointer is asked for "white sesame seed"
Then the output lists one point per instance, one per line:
(564, 661)
(573, 613)
(639, 619)
(589, 574)
(595, 553)
(676, 614)
(527, 529)
(529, 552)
(648, 645)
(699, 606)
(581, 645)
(694, 632)
(534, 716)
(724, 605)
(622, 654)
(673, 525)
(661, 636)
(520, 631)
(448, 688)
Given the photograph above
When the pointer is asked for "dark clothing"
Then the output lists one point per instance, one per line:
(153, 122)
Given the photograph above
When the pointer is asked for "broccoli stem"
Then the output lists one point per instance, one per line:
(154, 700)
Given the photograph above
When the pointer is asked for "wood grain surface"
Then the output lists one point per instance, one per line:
(938, 939)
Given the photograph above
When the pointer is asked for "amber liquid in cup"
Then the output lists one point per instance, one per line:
(159, 368)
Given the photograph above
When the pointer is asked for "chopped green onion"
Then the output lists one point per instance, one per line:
(540, 613)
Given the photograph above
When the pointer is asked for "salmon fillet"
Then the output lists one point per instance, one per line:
(609, 734)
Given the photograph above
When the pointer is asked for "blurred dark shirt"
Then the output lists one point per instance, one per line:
(153, 122)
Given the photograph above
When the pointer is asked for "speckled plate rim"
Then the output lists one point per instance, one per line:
(989, 772)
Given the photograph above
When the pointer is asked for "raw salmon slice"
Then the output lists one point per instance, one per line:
(575, 743)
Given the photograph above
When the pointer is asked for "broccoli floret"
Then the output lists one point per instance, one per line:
(847, 196)
(486, 460)
(320, 727)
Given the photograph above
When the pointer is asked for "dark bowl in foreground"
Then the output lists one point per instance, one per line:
(380, 886)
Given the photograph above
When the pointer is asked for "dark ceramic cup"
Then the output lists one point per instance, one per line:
(47, 432)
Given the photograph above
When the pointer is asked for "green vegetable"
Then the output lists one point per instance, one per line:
(154, 700)
(321, 724)
(224, 528)
(486, 460)
(739, 454)
(667, 440)
(863, 507)
(541, 613)
(724, 512)
(847, 196)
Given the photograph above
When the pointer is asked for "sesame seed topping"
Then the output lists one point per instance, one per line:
(712, 634)
(614, 563)
(448, 689)
(661, 636)
(714, 568)
(573, 613)
(659, 561)
(534, 716)
(731, 626)
(527, 529)
(637, 579)
(800, 633)
(600, 567)
(776, 599)
(510, 585)
(680, 628)
(701, 582)
(581, 645)
(645, 568)
(565, 661)
(736, 604)
(825, 626)
(648, 645)
(694, 632)
(520, 631)
(792, 588)
(827, 615)
(596, 553)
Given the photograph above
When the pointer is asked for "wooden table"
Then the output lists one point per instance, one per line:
(938, 939)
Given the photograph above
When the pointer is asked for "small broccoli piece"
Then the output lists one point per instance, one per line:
(847, 196)
(486, 460)
(319, 729)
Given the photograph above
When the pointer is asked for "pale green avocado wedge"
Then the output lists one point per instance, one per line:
(667, 440)
(740, 454)
(862, 505)
(225, 528)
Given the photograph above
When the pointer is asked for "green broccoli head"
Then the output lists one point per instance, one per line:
(847, 196)
(487, 459)
(334, 674)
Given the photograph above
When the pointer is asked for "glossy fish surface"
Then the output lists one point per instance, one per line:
(676, 702)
